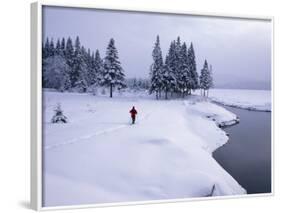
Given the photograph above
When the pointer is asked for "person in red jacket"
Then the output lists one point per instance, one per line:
(133, 112)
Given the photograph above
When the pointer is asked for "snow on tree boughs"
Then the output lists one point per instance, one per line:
(98, 66)
(156, 69)
(113, 75)
(56, 73)
(192, 67)
(178, 75)
(206, 80)
(79, 63)
(59, 117)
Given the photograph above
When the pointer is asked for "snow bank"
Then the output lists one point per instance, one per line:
(98, 157)
(259, 100)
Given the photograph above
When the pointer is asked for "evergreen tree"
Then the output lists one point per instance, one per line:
(58, 48)
(69, 53)
(62, 47)
(210, 79)
(59, 117)
(46, 49)
(178, 66)
(45, 55)
(156, 69)
(56, 73)
(90, 68)
(113, 75)
(52, 48)
(99, 67)
(171, 64)
(192, 67)
(185, 77)
(168, 79)
(78, 75)
(205, 78)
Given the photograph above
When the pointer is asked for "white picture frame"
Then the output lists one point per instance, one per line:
(36, 102)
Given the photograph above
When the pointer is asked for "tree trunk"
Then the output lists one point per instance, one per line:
(110, 90)
(166, 94)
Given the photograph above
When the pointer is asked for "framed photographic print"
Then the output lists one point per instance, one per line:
(133, 107)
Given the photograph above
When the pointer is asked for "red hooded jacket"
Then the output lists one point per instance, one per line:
(133, 112)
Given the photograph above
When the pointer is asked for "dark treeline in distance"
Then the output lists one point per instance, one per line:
(177, 74)
(68, 66)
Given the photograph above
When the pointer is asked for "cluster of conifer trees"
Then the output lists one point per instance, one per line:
(137, 84)
(68, 66)
(177, 74)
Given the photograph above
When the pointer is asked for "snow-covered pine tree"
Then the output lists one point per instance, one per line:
(46, 49)
(156, 69)
(210, 79)
(58, 48)
(56, 73)
(99, 67)
(77, 59)
(178, 66)
(171, 64)
(45, 55)
(93, 58)
(62, 47)
(185, 77)
(69, 55)
(78, 74)
(89, 58)
(168, 79)
(192, 67)
(113, 75)
(59, 117)
(92, 77)
(205, 78)
(52, 48)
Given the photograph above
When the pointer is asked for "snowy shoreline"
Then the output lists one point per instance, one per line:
(253, 100)
(166, 155)
(249, 108)
(227, 123)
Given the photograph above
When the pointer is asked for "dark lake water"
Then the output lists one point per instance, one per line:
(247, 155)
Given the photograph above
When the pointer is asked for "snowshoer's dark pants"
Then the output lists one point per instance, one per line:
(133, 119)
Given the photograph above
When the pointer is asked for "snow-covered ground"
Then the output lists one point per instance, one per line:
(259, 100)
(99, 157)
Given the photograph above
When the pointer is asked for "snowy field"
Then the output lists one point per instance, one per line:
(99, 157)
(259, 100)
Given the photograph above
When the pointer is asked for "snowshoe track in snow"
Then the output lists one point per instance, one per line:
(102, 132)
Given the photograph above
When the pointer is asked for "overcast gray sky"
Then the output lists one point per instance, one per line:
(238, 49)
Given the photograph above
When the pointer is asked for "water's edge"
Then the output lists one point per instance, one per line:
(247, 154)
